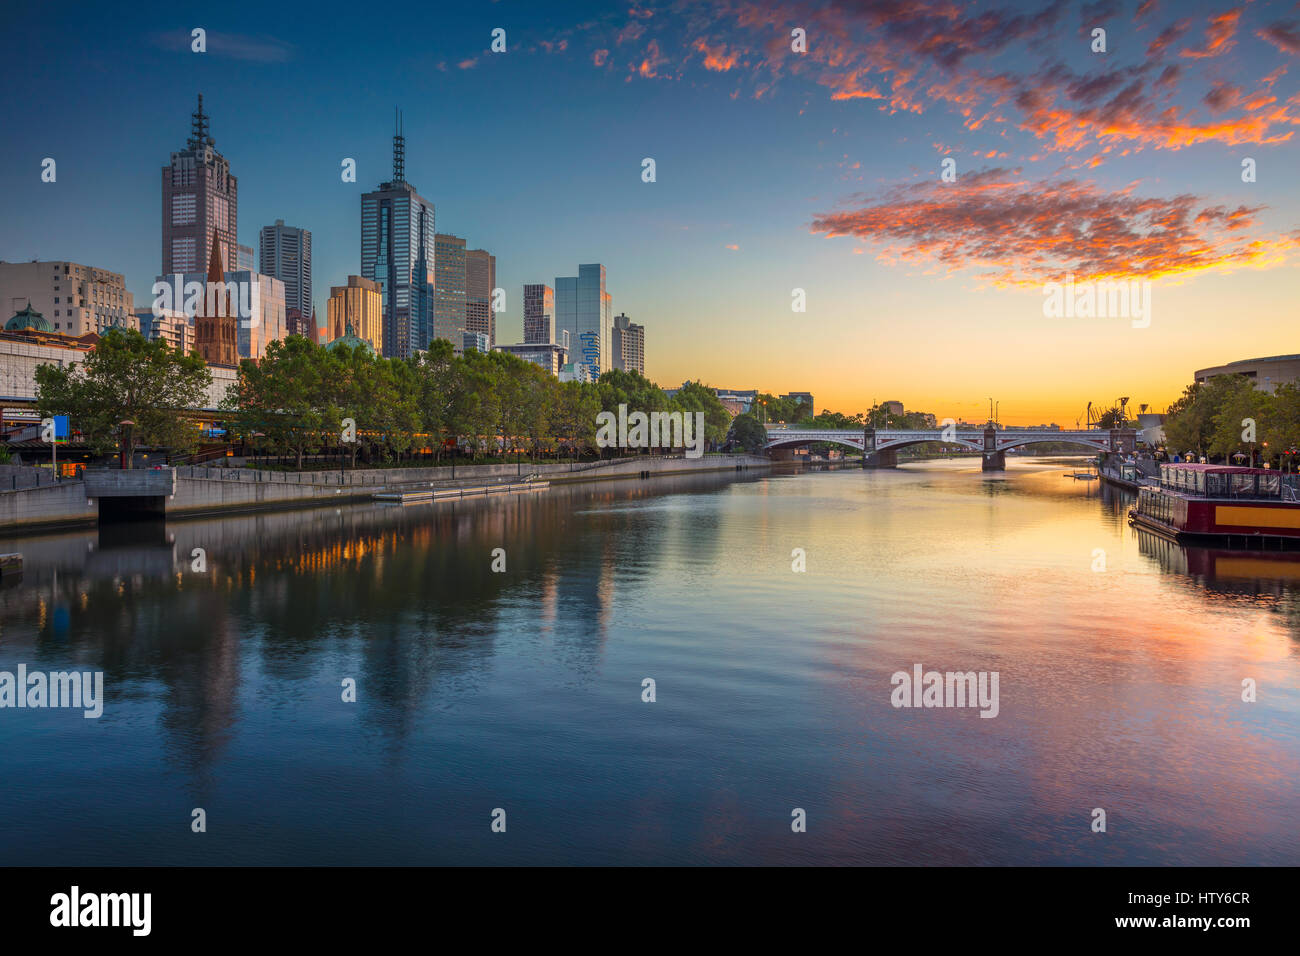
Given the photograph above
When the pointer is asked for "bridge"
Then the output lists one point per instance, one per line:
(880, 445)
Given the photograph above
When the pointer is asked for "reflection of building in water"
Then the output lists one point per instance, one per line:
(1257, 573)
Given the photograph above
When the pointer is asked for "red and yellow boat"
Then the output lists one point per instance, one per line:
(1220, 503)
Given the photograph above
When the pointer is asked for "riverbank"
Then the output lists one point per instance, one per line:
(205, 492)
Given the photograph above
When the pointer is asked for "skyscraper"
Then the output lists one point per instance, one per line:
(480, 280)
(397, 230)
(199, 197)
(539, 314)
(285, 253)
(216, 329)
(629, 345)
(449, 301)
(586, 311)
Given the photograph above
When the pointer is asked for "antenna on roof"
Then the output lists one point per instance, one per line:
(399, 149)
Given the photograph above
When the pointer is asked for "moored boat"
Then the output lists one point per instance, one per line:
(1220, 502)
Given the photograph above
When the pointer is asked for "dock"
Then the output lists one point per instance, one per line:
(466, 491)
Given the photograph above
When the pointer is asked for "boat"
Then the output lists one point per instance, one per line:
(1223, 503)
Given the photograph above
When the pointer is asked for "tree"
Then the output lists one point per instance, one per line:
(749, 432)
(283, 398)
(127, 378)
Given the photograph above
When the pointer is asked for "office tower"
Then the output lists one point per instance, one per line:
(480, 280)
(449, 319)
(245, 259)
(267, 320)
(199, 197)
(215, 326)
(629, 345)
(74, 299)
(539, 314)
(585, 310)
(397, 230)
(285, 253)
(475, 342)
(358, 305)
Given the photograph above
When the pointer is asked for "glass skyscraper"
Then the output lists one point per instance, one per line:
(586, 311)
(397, 251)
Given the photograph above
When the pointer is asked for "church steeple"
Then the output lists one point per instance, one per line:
(215, 329)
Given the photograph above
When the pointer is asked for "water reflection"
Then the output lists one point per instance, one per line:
(523, 688)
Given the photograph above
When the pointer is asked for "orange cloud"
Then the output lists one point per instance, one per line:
(1017, 232)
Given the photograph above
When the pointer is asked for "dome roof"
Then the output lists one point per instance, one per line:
(28, 318)
(351, 340)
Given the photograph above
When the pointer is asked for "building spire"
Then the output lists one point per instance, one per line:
(199, 128)
(399, 149)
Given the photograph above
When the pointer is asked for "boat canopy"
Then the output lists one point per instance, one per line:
(1220, 481)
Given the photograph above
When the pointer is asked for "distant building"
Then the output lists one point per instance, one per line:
(475, 342)
(199, 197)
(285, 253)
(172, 326)
(893, 408)
(360, 305)
(628, 345)
(1266, 373)
(397, 230)
(548, 355)
(244, 259)
(449, 314)
(254, 302)
(74, 298)
(577, 372)
(745, 398)
(586, 311)
(805, 397)
(539, 314)
(480, 280)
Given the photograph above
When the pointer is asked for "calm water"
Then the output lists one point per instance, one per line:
(1119, 689)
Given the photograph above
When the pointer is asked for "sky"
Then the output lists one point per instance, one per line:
(776, 169)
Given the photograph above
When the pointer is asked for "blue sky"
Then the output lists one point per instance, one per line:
(535, 155)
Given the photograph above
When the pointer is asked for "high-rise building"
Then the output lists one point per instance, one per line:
(480, 280)
(199, 197)
(539, 314)
(216, 329)
(397, 230)
(629, 345)
(358, 305)
(475, 342)
(74, 299)
(586, 311)
(449, 299)
(285, 253)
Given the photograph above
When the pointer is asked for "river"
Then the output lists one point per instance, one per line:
(1120, 663)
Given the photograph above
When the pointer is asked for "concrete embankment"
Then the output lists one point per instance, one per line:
(201, 492)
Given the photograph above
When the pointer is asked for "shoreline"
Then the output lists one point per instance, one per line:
(212, 492)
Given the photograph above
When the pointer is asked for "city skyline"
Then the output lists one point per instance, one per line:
(933, 296)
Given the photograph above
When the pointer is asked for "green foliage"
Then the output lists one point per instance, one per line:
(1213, 419)
(127, 378)
(749, 432)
